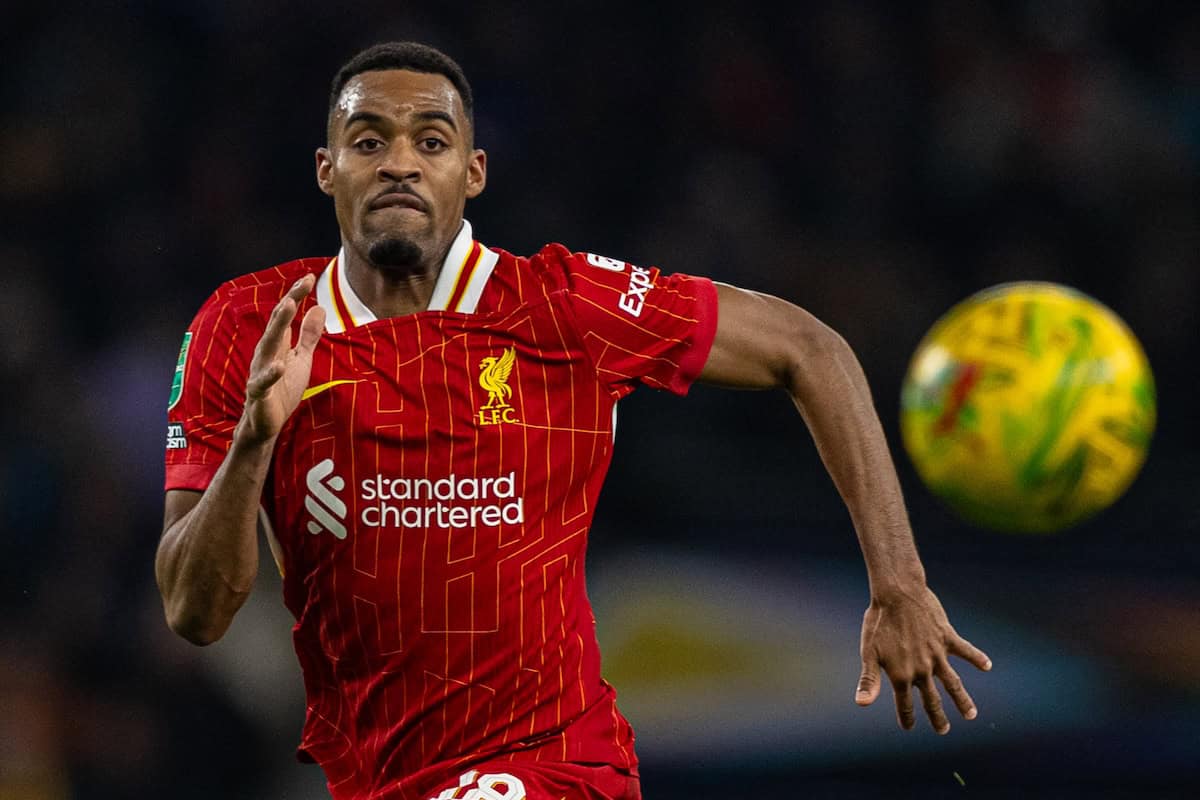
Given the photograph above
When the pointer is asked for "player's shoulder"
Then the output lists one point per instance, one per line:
(256, 293)
(558, 258)
(556, 267)
(555, 273)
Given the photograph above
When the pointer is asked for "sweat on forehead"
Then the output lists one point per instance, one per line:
(397, 94)
(410, 56)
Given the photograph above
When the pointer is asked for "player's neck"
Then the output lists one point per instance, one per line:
(389, 292)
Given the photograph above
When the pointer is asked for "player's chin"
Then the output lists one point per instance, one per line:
(395, 251)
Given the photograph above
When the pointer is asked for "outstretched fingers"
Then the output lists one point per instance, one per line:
(956, 690)
(904, 704)
(932, 700)
(311, 329)
(910, 640)
(302, 287)
(964, 649)
(868, 683)
(274, 339)
(268, 363)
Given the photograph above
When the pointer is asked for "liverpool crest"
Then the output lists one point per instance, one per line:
(494, 374)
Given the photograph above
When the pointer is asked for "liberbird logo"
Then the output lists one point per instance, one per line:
(493, 377)
(327, 508)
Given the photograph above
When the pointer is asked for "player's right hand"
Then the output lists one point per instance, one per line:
(910, 638)
(279, 372)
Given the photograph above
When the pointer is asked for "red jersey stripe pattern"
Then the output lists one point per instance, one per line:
(432, 499)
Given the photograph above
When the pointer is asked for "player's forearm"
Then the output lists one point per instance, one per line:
(208, 559)
(829, 388)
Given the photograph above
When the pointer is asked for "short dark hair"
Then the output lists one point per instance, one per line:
(404, 55)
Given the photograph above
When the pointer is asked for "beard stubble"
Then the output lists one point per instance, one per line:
(395, 253)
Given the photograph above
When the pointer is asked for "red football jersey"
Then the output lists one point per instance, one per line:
(430, 499)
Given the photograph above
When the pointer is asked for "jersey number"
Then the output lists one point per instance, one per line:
(605, 263)
(499, 786)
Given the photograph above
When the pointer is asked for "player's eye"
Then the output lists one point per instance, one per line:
(368, 145)
(433, 144)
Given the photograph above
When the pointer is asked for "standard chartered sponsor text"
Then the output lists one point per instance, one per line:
(450, 502)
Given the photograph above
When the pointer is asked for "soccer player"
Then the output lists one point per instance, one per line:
(422, 423)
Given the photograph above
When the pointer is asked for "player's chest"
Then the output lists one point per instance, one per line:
(447, 430)
(419, 385)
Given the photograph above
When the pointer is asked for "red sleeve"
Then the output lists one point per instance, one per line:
(207, 394)
(637, 324)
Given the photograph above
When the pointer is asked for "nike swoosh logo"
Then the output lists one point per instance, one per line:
(312, 390)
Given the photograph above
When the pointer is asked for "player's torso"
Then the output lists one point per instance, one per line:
(431, 495)
(431, 498)
(429, 446)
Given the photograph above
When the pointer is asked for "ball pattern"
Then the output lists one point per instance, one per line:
(1028, 407)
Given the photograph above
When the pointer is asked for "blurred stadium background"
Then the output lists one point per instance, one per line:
(874, 162)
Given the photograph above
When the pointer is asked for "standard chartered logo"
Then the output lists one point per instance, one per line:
(451, 503)
(327, 508)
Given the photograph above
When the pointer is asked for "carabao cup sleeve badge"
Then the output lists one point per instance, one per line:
(180, 371)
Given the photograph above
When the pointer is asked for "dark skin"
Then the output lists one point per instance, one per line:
(400, 165)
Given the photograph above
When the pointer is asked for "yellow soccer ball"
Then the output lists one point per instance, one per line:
(1028, 407)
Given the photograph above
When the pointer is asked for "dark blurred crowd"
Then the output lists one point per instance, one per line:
(874, 162)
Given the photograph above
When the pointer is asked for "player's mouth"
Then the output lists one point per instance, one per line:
(399, 199)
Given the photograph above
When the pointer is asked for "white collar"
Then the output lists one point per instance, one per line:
(465, 272)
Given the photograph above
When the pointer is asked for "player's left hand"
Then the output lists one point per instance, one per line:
(908, 635)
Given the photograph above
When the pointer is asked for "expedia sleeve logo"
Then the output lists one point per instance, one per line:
(634, 300)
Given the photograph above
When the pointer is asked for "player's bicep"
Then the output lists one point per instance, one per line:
(760, 340)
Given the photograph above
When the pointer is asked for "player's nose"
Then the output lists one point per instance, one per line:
(400, 164)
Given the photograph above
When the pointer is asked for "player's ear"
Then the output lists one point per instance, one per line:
(325, 170)
(476, 173)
